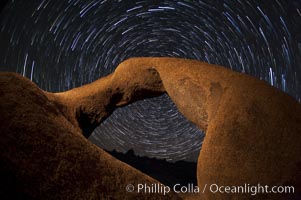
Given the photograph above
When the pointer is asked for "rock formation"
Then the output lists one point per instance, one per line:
(252, 130)
(43, 155)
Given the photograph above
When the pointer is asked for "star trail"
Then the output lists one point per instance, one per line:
(64, 44)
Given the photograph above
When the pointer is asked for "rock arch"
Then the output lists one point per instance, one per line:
(252, 129)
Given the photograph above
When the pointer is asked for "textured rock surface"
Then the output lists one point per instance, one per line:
(44, 156)
(252, 129)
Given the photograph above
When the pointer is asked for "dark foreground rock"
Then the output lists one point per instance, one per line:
(43, 156)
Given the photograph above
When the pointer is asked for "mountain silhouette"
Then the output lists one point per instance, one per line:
(168, 173)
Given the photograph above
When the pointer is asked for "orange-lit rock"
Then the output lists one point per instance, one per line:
(45, 156)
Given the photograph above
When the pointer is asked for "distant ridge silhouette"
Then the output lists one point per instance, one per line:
(168, 173)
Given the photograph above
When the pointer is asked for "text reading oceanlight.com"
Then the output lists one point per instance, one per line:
(213, 188)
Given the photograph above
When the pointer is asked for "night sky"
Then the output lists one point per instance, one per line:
(62, 44)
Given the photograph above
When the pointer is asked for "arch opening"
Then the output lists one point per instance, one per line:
(162, 144)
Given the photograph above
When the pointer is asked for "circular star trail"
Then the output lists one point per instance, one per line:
(67, 43)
